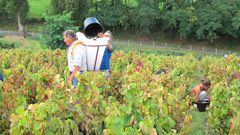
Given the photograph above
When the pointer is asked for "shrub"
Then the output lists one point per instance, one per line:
(52, 34)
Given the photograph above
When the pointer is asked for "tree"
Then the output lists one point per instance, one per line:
(52, 33)
(201, 19)
(147, 13)
(215, 18)
(79, 9)
(18, 9)
(57, 6)
(3, 12)
(236, 23)
(111, 13)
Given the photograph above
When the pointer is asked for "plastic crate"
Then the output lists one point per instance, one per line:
(201, 105)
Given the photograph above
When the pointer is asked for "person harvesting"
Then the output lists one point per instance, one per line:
(200, 90)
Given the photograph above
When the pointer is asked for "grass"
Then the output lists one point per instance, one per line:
(158, 51)
(38, 8)
(222, 45)
(20, 42)
(11, 27)
(198, 122)
(8, 45)
(34, 43)
(6, 42)
(30, 27)
(199, 119)
(36, 11)
(34, 27)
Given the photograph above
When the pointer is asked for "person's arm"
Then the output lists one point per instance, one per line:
(197, 92)
(76, 68)
(78, 55)
(69, 74)
(208, 97)
(196, 96)
(110, 48)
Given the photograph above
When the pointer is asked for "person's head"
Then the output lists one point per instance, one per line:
(206, 83)
(100, 34)
(108, 33)
(69, 37)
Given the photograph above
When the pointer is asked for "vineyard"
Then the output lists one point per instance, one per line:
(36, 98)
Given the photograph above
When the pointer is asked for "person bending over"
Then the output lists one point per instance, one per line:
(200, 90)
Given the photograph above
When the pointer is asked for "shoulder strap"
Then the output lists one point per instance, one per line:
(77, 43)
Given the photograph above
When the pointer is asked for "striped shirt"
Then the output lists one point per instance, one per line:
(80, 57)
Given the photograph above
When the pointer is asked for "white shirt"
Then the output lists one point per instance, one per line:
(80, 57)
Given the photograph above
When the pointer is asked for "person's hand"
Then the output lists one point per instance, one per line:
(109, 46)
(108, 35)
(71, 78)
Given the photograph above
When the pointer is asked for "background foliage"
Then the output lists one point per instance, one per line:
(52, 34)
(190, 19)
(198, 19)
(186, 19)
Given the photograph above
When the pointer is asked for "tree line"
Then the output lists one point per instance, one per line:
(200, 19)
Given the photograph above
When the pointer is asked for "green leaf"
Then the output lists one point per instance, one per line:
(164, 109)
(20, 110)
(130, 131)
